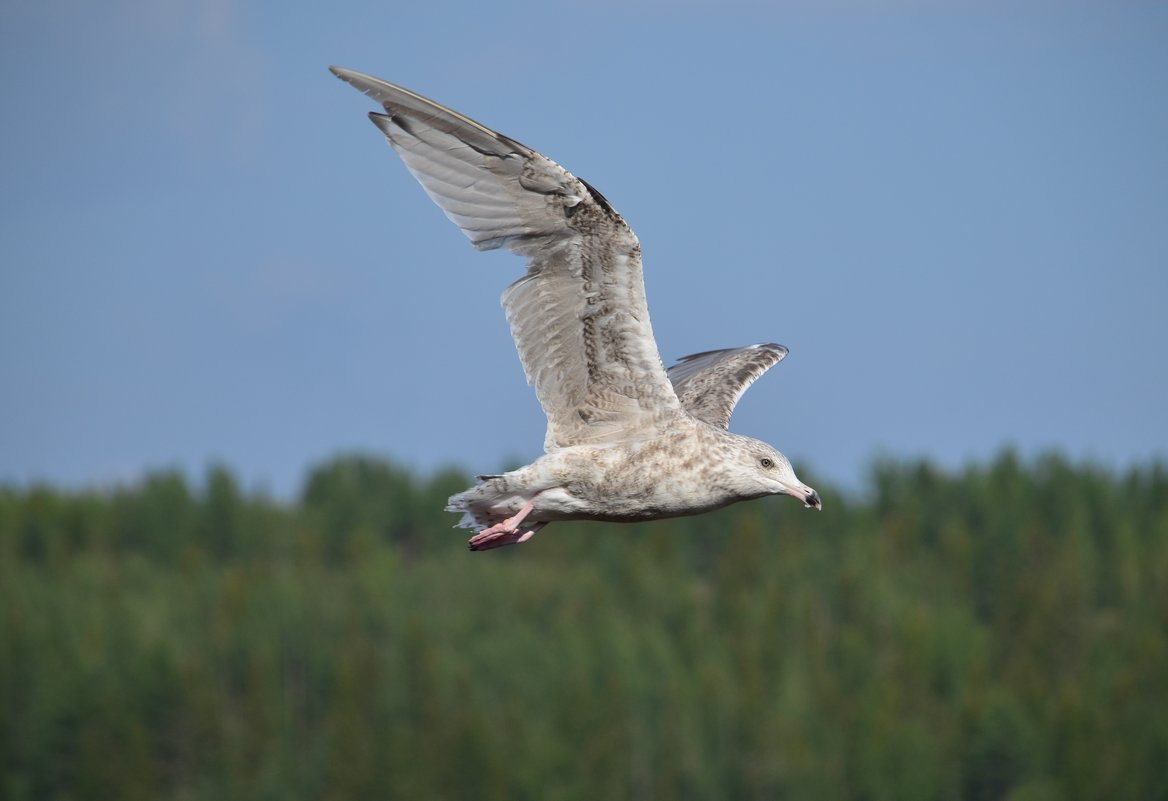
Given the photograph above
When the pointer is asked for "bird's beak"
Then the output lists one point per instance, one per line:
(811, 500)
(804, 493)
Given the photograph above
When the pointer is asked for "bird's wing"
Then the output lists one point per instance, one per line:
(709, 384)
(579, 316)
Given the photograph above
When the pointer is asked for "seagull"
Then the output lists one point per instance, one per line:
(626, 440)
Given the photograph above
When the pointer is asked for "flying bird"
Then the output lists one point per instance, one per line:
(626, 439)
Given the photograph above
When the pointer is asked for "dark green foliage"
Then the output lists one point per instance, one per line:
(997, 634)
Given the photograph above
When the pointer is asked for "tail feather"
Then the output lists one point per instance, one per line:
(487, 502)
(461, 503)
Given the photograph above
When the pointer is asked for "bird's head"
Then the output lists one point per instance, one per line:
(765, 471)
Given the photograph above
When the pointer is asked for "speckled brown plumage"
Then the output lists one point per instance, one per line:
(625, 441)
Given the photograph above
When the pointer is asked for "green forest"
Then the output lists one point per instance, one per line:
(998, 632)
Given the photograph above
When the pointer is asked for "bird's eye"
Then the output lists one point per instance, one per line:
(767, 462)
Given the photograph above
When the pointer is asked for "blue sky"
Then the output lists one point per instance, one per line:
(954, 214)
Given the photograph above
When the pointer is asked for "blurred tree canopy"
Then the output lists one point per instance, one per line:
(1001, 633)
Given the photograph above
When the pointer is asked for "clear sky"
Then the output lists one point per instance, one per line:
(955, 214)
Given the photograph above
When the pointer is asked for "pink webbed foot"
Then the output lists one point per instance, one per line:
(508, 532)
(484, 541)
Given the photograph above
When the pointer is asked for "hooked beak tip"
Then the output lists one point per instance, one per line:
(812, 501)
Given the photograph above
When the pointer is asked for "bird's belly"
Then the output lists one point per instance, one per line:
(626, 505)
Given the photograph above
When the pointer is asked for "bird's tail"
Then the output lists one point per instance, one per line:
(473, 503)
(462, 503)
(488, 501)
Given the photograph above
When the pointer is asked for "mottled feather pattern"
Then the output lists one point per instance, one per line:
(579, 316)
(626, 482)
(625, 441)
(709, 384)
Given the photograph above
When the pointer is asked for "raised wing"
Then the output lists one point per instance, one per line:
(709, 384)
(579, 316)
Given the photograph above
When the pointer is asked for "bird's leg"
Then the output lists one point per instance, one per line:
(507, 532)
(480, 543)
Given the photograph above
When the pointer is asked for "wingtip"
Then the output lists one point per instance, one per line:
(346, 75)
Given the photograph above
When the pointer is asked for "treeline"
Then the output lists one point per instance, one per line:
(1001, 633)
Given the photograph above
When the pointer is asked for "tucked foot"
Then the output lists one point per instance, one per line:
(489, 538)
(508, 528)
